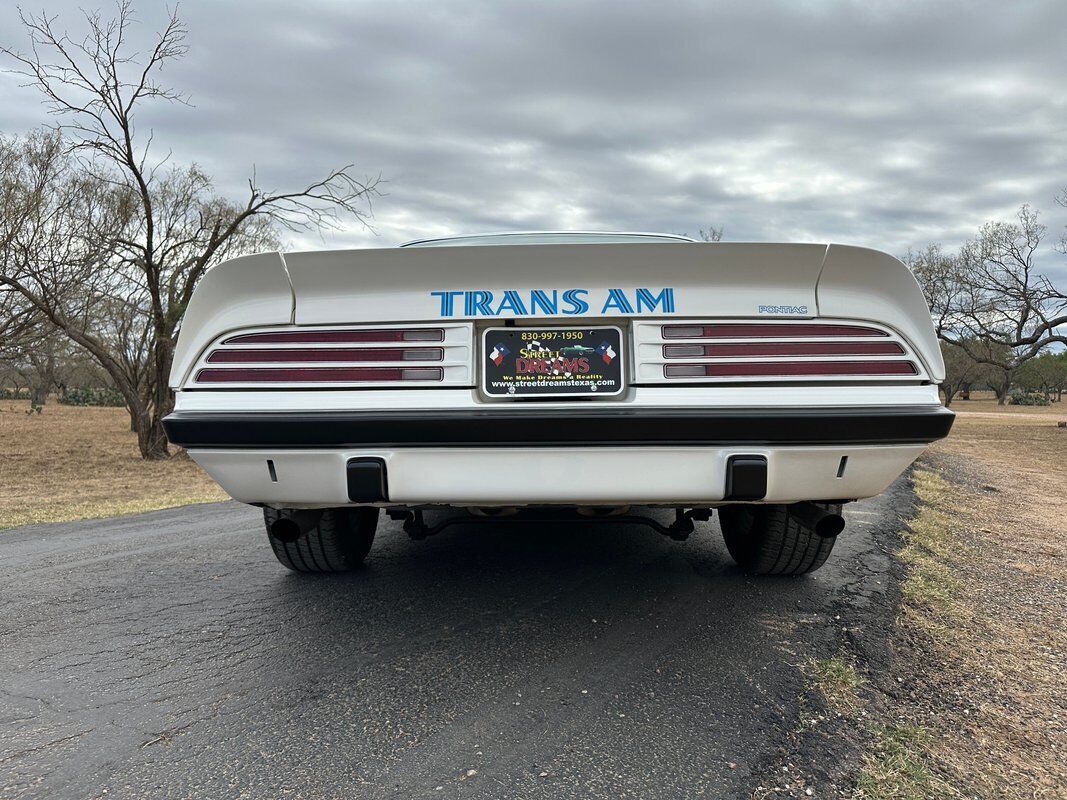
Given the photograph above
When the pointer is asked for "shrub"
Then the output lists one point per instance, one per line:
(92, 396)
(14, 394)
(1028, 399)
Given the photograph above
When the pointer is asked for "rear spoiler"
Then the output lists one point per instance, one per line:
(707, 280)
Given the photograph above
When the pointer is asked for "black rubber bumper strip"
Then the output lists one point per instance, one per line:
(570, 427)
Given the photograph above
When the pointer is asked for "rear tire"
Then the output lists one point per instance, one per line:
(338, 543)
(768, 540)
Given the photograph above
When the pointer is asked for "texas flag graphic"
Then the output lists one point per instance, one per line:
(498, 354)
(606, 352)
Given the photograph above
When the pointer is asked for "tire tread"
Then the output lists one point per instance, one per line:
(768, 540)
(342, 538)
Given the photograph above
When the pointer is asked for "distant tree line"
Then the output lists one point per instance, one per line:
(1002, 323)
(102, 238)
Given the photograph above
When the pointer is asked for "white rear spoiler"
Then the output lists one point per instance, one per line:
(713, 280)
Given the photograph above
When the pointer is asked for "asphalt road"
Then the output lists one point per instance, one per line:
(169, 655)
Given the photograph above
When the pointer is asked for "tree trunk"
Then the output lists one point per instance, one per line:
(154, 442)
(1002, 390)
(44, 369)
(151, 438)
(950, 392)
(162, 398)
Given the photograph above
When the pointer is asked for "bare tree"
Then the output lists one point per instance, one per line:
(24, 361)
(990, 300)
(163, 225)
(710, 234)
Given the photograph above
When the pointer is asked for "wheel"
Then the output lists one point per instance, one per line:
(768, 540)
(338, 543)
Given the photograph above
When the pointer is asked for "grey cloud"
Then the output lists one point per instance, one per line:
(877, 123)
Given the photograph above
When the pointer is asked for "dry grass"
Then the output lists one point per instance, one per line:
(838, 681)
(77, 463)
(897, 767)
(980, 708)
(986, 402)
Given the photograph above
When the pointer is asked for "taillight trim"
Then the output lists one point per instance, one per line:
(768, 330)
(317, 375)
(345, 355)
(790, 369)
(750, 349)
(378, 335)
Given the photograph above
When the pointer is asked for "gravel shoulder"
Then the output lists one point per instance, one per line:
(974, 702)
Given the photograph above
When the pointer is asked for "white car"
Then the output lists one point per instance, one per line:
(600, 373)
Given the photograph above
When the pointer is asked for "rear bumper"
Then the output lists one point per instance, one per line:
(586, 456)
(597, 426)
(687, 476)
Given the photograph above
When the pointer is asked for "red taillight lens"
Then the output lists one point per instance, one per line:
(353, 355)
(761, 369)
(380, 356)
(340, 337)
(763, 330)
(318, 374)
(742, 349)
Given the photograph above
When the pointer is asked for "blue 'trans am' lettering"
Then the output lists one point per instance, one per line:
(574, 298)
(513, 303)
(617, 300)
(547, 302)
(478, 303)
(540, 300)
(646, 301)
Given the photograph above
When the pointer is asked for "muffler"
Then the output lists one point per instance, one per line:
(825, 523)
(294, 523)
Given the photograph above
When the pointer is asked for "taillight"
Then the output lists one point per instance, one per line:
(340, 337)
(345, 355)
(765, 330)
(770, 351)
(378, 356)
(746, 349)
(746, 369)
(318, 375)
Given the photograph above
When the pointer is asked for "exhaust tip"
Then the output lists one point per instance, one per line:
(285, 530)
(830, 526)
(291, 524)
(822, 522)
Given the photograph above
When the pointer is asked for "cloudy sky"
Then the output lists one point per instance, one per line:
(889, 124)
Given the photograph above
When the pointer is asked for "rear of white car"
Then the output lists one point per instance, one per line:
(590, 372)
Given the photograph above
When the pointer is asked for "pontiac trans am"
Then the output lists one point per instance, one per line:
(529, 376)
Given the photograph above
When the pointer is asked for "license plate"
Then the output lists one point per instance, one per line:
(534, 362)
